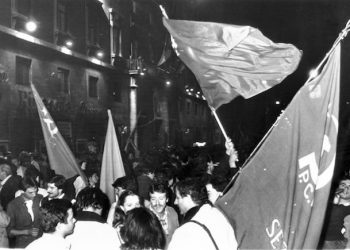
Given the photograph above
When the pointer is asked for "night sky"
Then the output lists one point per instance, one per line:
(312, 26)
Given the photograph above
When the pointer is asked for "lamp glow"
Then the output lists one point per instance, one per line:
(31, 26)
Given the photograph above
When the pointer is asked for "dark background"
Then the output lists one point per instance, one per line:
(312, 26)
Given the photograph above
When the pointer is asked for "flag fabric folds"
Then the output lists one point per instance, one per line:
(112, 163)
(279, 199)
(230, 60)
(61, 158)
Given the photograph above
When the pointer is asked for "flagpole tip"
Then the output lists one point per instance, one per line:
(163, 11)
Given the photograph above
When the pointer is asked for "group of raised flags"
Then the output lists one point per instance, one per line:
(62, 160)
(280, 198)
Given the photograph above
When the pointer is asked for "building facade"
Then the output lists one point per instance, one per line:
(87, 56)
(68, 59)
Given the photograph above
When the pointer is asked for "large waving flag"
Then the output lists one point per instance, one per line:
(280, 198)
(60, 156)
(230, 60)
(112, 163)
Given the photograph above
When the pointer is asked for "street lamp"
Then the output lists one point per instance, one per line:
(31, 26)
(69, 43)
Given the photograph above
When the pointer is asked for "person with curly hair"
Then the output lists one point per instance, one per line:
(57, 222)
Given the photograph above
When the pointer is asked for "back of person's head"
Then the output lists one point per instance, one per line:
(126, 183)
(192, 187)
(24, 158)
(58, 181)
(32, 172)
(28, 182)
(119, 217)
(90, 172)
(142, 230)
(91, 198)
(53, 212)
(218, 182)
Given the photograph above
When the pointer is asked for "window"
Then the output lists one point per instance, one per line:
(23, 7)
(93, 87)
(63, 76)
(23, 71)
(61, 17)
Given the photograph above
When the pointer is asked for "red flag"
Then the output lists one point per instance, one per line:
(280, 198)
(60, 156)
(112, 163)
(230, 60)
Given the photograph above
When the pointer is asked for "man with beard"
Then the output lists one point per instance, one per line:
(167, 215)
(57, 222)
(55, 189)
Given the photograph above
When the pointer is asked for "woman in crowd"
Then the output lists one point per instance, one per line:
(127, 201)
(142, 231)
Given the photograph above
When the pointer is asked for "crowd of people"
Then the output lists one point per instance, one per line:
(165, 201)
(163, 196)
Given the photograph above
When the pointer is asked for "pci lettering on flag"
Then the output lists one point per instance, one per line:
(280, 198)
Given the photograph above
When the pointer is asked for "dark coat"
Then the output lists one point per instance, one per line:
(7, 193)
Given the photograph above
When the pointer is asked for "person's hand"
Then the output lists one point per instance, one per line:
(33, 232)
(229, 147)
(230, 150)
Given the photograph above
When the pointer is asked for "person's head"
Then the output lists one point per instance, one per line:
(142, 230)
(24, 158)
(55, 186)
(128, 200)
(5, 170)
(215, 186)
(145, 170)
(158, 197)
(57, 217)
(124, 183)
(92, 177)
(344, 189)
(33, 173)
(30, 188)
(92, 200)
(189, 193)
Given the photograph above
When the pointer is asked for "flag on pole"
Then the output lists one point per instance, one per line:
(61, 158)
(112, 163)
(280, 198)
(230, 60)
(166, 51)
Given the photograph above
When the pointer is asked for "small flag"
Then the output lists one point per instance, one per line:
(230, 60)
(166, 51)
(112, 163)
(280, 198)
(61, 158)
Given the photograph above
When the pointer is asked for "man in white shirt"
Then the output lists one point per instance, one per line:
(207, 230)
(57, 222)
